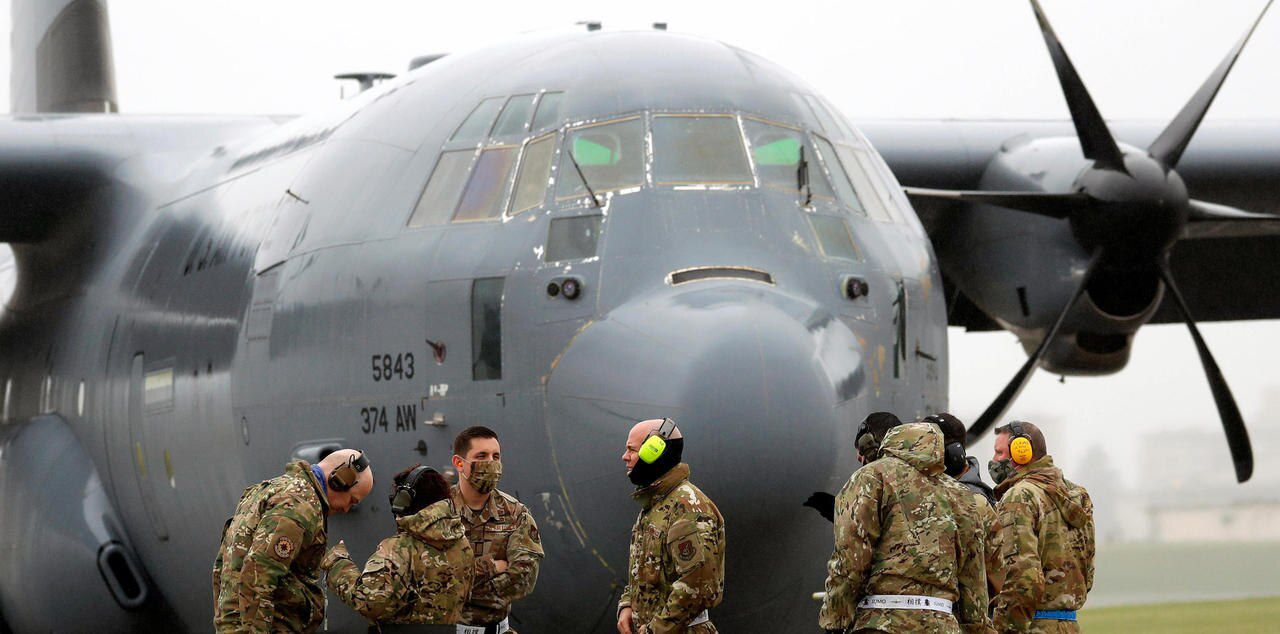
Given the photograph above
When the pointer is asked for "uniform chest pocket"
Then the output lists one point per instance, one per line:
(649, 557)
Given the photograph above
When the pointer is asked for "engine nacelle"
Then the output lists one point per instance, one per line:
(1021, 269)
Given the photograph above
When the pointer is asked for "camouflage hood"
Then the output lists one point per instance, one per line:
(1048, 478)
(438, 524)
(917, 444)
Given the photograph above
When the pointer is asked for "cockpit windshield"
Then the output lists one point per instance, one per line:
(699, 150)
(777, 152)
(611, 156)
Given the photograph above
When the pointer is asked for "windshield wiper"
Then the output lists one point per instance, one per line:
(802, 179)
(584, 179)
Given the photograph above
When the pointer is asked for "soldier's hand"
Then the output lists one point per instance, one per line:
(824, 503)
(624, 621)
(337, 552)
(499, 566)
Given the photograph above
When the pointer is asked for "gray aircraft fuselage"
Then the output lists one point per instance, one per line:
(253, 291)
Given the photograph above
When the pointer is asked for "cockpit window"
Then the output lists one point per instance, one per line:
(843, 188)
(866, 182)
(442, 191)
(484, 195)
(699, 150)
(777, 150)
(479, 122)
(833, 237)
(515, 116)
(548, 110)
(610, 154)
(535, 170)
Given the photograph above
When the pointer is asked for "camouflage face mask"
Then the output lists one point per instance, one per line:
(1000, 470)
(485, 475)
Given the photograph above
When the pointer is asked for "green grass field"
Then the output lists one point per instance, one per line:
(1245, 616)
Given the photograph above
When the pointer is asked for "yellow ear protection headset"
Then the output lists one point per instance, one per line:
(1020, 450)
(656, 444)
(348, 473)
(402, 498)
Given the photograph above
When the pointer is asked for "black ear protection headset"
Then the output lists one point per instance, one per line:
(865, 441)
(348, 473)
(1021, 450)
(402, 498)
(953, 454)
(656, 444)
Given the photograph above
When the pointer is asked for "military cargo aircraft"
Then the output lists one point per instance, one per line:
(554, 237)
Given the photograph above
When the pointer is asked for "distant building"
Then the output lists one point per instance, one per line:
(1190, 493)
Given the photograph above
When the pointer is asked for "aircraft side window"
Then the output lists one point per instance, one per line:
(805, 111)
(902, 206)
(479, 122)
(834, 237)
(548, 113)
(486, 329)
(157, 388)
(610, 154)
(776, 149)
(573, 238)
(515, 116)
(443, 189)
(534, 173)
(838, 176)
(828, 122)
(485, 193)
(839, 118)
(699, 150)
(866, 183)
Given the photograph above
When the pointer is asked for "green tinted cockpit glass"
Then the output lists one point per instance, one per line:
(593, 153)
(777, 151)
(702, 150)
(479, 122)
(780, 152)
(611, 156)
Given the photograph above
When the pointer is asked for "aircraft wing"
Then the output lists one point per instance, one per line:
(1229, 271)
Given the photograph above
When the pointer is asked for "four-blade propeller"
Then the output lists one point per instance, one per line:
(1118, 187)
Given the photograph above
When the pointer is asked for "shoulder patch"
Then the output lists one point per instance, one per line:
(284, 547)
(686, 550)
(533, 533)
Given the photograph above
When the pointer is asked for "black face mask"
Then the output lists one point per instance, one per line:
(646, 473)
(955, 459)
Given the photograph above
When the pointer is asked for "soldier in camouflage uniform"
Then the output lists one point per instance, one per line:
(676, 570)
(423, 573)
(966, 472)
(503, 535)
(266, 577)
(1047, 540)
(908, 555)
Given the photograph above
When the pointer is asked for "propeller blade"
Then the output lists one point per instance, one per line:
(1232, 422)
(1169, 146)
(1041, 203)
(1204, 211)
(998, 407)
(1095, 137)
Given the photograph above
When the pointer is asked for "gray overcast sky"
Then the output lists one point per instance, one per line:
(899, 58)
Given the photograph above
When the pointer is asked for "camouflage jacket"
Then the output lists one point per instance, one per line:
(902, 527)
(502, 530)
(422, 575)
(677, 556)
(266, 577)
(1047, 548)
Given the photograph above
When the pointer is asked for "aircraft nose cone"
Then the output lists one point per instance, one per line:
(763, 386)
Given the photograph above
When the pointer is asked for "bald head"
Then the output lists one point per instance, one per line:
(343, 501)
(639, 432)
